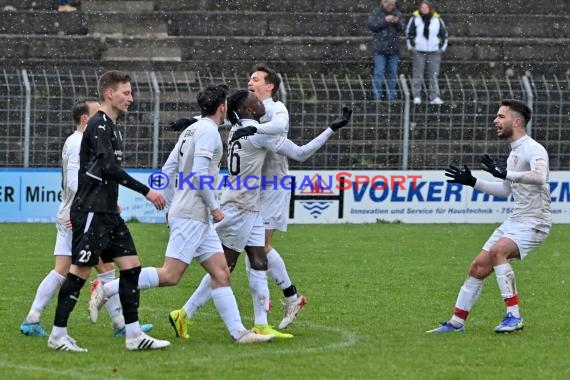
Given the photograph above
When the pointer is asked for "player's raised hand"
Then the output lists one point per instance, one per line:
(341, 120)
(462, 176)
(243, 132)
(156, 199)
(492, 166)
(180, 124)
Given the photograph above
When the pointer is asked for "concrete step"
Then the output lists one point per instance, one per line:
(42, 22)
(110, 6)
(122, 24)
(270, 24)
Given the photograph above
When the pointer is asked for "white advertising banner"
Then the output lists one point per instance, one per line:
(406, 196)
(32, 195)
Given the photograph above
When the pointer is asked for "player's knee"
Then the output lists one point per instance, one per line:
(479, 270)
(258, 262)
(498, 254)
(221, 277)
(169, 278)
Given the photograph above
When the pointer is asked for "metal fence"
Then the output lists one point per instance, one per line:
(35, 117)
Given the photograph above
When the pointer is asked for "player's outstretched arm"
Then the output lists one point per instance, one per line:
(463, 176)
(537, 174)
(301, 153)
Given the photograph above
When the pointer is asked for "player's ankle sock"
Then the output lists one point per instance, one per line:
(513, 306)
(132, 330)
(58, 332)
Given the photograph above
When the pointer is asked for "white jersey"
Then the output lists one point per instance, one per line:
(532, 200)
(276, 113)
(69, 172)
(201, 139)
(528, 181)
(246, 158)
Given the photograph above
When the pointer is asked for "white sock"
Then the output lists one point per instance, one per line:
(148, 278)
(226, 304)
(277, 271)
(45, 292)
(468, 295)
(113, 304)
(132, 330)
(259, 294)
(200, 296)
(58, 332)
(508, 288)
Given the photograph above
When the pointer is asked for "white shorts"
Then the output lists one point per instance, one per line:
(275, 209)
(62, 241)
(523, 235)
(241, 228)
(191, 239)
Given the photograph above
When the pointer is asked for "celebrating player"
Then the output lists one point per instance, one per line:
(526, 178)
(242, 227)
(198, 150)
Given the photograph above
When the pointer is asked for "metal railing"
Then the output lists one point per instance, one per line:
(35, 117)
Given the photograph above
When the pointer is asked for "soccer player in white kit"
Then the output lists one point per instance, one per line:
(265, 82)
(195, 157)
(81, 112)
(242, 227)
(526, 179)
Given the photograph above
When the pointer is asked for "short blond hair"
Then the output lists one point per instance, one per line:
(388, 1)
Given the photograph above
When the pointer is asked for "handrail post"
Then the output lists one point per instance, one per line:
(529, 101)
(405, 122)
(156, 119)
(27, 114)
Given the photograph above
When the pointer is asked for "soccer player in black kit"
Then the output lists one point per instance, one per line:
(99, 232)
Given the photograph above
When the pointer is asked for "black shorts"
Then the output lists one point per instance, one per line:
(99, 235)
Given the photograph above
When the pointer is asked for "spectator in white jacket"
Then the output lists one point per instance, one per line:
(426, 37)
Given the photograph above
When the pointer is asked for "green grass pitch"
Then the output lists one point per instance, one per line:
(373, 291)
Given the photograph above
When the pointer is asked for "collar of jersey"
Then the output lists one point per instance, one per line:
(519, 142)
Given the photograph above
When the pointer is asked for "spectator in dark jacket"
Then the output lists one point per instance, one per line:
(386, 24)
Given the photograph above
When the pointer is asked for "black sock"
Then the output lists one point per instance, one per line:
(129, 293)
(290, 291)
(67, 298)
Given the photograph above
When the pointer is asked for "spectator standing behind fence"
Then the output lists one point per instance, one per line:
(386, 24)
(426, 37)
